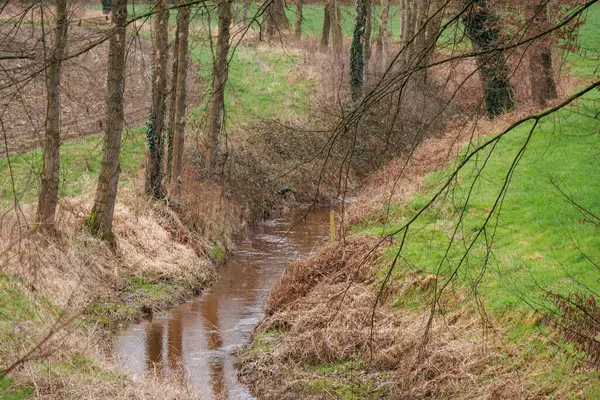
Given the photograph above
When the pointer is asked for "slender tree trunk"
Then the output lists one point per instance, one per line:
(156, 127)
(219, 79)
(368, 33)
(411, 29)
(183, 20)
(336, 30)
(403, 23)
(384, 35)
(431, 32)
(543, 87)
(275, 19)
(421, 39)
(48, 198)
(481, 26)
(298, 28)
(172, 104)
(245, 12)
(326, 26)
(357, 52)
(101, 218)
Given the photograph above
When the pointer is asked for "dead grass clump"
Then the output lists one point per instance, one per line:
(333, 264)
(579, 321)
(335, 323)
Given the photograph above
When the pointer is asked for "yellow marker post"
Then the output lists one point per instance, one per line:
(332, 225)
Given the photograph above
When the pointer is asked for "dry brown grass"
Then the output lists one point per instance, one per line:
(53, 282)
(316, 317)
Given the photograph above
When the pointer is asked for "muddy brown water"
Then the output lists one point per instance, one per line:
(198, 339)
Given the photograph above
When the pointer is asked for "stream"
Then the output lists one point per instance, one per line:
(198, 339)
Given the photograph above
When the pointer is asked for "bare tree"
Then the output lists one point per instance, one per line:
(368, 33)
(275, 19)
(384, 35)
(48, 198)
(298, 27)
(326, 26)
(337, 38)
(183, 22)
(172, 104)
(543, 87)
(154, 169)
(219, 79)
(482, 27)
(357, 49)
(245, 12)
(101, 218)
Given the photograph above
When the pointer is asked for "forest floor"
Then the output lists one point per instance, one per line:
(355, 321)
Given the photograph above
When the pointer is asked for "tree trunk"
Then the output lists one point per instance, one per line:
(48, 198)
(357, 52)
(403, 11)
(384, 35)
(411, 29)
(421, 45)
(183, 20)
(101, 218)
(219, 79)
(543, 87)
(482, 27)
(326, 26)
(368, 33)
(156, 127)
(298, 28)
(431, 32)
(275, 20)
(336, 30)
(172, 104)
(245, 13)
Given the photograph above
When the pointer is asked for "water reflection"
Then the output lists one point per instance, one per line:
(198, 338)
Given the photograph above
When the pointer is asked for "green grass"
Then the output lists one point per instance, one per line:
(260, 85)
(80, 164)
(540, 241)
(9, 391)
(141, 297)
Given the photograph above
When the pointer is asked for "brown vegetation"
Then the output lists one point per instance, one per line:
(322, 312)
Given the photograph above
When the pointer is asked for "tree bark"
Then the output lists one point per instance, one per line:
(431, 32)
(219, 79)
(298, 28)
(482, 27)
(336, 30)
(326, 26)
(245, 13)
(183, 20)
(403, 13)
(411, 25)
(368, 34)
(101, 218)
(543, 87)
(384, 35)
(172, 104)
(357, 51)
(275, 19)
(48, 198)
(156, 127)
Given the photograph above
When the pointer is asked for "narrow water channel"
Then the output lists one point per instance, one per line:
(198, 339)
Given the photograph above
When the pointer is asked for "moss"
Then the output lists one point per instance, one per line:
(261, 343)
(13, 304)
(10, 391)
(140, 297)
(339, 390)
(218, 253)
